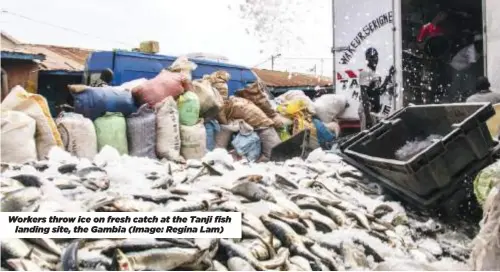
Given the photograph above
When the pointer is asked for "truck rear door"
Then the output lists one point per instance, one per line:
(491, 10)
(357, 26)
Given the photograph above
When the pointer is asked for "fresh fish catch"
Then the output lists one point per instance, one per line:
(296, 215)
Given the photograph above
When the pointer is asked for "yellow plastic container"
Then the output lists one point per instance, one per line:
(494, 122)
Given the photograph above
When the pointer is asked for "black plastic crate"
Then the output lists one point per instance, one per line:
(437, 199)
(465, 141)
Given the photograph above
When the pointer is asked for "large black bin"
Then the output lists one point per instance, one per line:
(466, 141)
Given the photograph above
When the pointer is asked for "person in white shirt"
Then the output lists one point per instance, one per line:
(484, 94)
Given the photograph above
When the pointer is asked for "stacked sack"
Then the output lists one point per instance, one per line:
(238, 108)
(19, 110)
(78, 134)
(168, 117)
(319, 116)
(177, 131)
(212, 90)
(257, 94)
(300, 109)
(107, 107)
(18, 137)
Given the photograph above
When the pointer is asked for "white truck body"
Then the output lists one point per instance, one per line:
(491, 19)
(361, 24)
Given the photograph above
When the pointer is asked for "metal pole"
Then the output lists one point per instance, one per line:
(322, 62)
(272, 63)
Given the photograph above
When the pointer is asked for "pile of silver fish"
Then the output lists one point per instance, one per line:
(302, 215)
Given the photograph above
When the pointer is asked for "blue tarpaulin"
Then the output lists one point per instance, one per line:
(211, 127)
(325, 137)
(247, 145)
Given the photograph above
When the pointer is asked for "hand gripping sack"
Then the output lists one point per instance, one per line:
(35, 106)
(329, 106)
(111, 129)
(210, 99)
(161, 86)
(141, 133)
(241, 108)
(189, 109)
(255, 92)
(78, 135)
(168, 139)
(193, 141)
(17, 137)
(93, 102)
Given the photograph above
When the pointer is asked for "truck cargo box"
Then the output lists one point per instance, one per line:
(465, 142)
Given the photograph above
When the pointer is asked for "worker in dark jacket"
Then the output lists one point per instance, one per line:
(372, 88)
(483, 92)
(105, 79)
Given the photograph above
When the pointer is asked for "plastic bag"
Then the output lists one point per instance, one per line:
(334, 128)
(329, 106)
(78, 135)
(111, 129)
(193, 141)
(284, 134)
(93, 102)
(189, 109)
(486, 179)
(36, 107)
(17, 137)
(141, 132)
(297, 95)
(292, 107)
(161, 86)
(168, 138)
(324, 136)
(281, 121)
(247, 145)
(184, 66)
(302, 122)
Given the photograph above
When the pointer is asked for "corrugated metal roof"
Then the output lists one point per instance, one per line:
(78, 55)
(290, 79)
(56, 57)
(18, 55)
